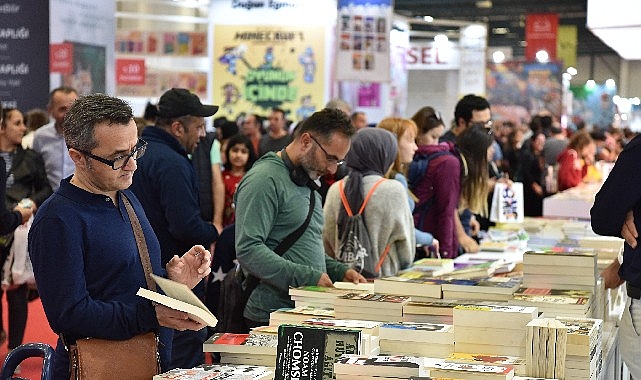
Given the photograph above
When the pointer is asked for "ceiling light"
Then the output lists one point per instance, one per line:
(590, 83)
(484, 4)
(498, 56)
(542, 56)
(428, 19)
(500, 30)
(610, 83)
(572, 71)
(440, 38)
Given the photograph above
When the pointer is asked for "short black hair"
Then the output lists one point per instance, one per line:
(467, 104)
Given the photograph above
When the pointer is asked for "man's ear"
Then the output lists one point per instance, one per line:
(177, 128)
(77, 158)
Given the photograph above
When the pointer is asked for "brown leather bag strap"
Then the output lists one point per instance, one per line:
(140, 242)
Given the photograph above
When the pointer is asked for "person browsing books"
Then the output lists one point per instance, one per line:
(167, 186)
(387, 214)
(273, 200)
(617, 212)
(82, 244)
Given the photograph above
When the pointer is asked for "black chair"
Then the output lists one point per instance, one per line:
(24, 351)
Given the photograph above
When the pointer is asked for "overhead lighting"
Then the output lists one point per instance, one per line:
(484, 4)
(590, 84)
(615, 27)
(500, 30)
(572, 71)
(440, 38)
(428, 19)
(498, 56)
(542, 56)
(610, 83)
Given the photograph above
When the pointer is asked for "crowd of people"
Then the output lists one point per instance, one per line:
(426, 184)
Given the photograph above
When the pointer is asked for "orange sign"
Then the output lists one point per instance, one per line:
(541, 31)
(61, 58)
(130, 71)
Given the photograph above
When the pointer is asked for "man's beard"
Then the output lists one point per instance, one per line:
(310, 167)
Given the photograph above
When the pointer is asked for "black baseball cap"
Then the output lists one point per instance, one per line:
(179, 102)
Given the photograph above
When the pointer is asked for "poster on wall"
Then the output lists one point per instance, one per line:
(593, 106)
(363, 40)
(24, 40)
(518, 90)
(87, 27)
(256, 68)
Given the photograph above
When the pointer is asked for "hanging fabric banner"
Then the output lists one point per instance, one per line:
(363, 40)
(541, 31)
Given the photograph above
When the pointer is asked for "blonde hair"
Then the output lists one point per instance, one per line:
(398, 126)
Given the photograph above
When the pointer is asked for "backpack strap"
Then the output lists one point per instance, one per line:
(348, 210)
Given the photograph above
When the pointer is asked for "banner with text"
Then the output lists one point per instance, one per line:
(363, 40)
(24, 40)
(432, 56)
(541, 34)
(256, 68)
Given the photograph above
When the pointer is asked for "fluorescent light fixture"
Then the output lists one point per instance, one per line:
(500, 30)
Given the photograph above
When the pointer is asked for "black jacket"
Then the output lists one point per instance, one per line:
(29, 178)
(9, 220)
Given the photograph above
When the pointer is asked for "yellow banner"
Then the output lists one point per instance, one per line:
(257, 68)
(566, 45)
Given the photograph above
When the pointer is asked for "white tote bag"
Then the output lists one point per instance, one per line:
(17, 268)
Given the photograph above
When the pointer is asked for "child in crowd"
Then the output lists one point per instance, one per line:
(240, 157)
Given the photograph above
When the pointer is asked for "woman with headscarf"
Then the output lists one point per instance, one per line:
(387, 215)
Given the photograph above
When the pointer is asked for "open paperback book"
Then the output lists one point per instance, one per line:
(179, 297)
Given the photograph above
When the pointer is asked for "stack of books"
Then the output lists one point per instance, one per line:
(432, 266)
(298, 314)
(369, 331)
(492, 329)
(256, 348)
(485, 288)
(318, 296)
(309, 352)
(465, 358)
(472, 268)
(545, 348)
(555, 302)
(218, 371)
(417, 339)
(416, 284)
(472, 371)
(436, 311)
(359, 367)
(370, 306)
(560, 268)
(583, 358)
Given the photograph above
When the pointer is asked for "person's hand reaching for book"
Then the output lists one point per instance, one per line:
(175, 319)
(191, 267)
(353, 276)
(324, 280)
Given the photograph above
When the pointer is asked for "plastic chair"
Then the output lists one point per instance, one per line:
(28, 350)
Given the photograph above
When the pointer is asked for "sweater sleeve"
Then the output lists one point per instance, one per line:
(620, 193)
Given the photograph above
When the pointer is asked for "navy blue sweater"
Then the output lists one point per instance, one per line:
(620, 193)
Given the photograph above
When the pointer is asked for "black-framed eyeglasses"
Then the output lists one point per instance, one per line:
(331, 159)
(120, 161)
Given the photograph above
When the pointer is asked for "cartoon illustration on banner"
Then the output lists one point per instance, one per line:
(258, 68)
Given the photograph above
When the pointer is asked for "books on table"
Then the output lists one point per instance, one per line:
(555, 302)
(515, 361)
(319, 296)
(473, 371)
(370, 306)
(309, 352)
(503, 323)
(433, 266)
(411, 283)
(485, 288)
(417, 339)
(218, 371)
(298, 314)
(178, 296)
(382, 365)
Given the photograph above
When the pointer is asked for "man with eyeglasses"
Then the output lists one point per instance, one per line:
(83, 246)
(167, 186)
(273, 200)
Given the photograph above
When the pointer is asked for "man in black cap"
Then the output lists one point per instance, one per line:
(167, 186)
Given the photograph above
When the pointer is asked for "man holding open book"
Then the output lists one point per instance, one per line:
(83, 242)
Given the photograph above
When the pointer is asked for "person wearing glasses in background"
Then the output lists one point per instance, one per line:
(83, 247)
(273, 199)
(167, 186)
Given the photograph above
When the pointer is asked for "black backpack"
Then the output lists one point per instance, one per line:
(237, 287)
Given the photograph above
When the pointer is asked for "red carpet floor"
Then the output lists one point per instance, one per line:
(38, 330)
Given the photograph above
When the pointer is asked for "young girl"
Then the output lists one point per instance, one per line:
(240, 157)
(405, 131)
